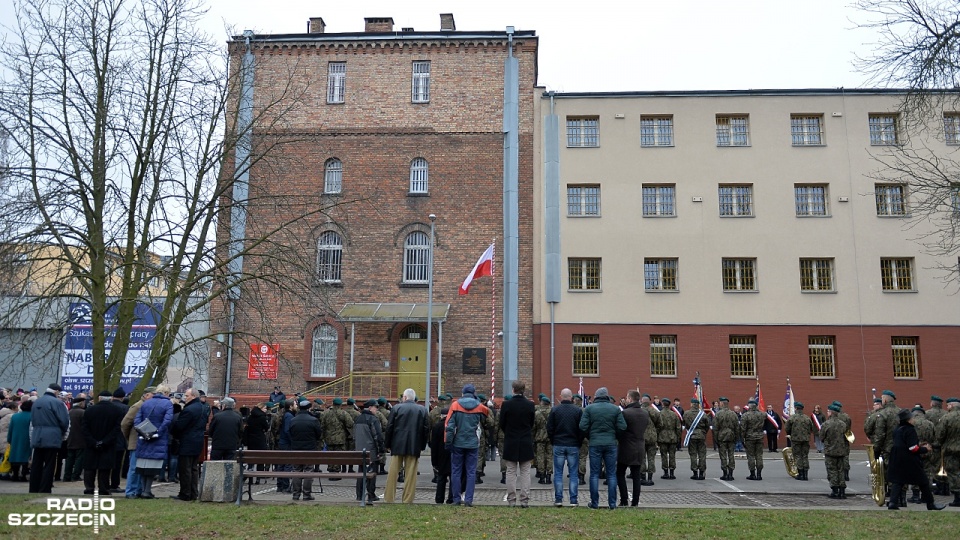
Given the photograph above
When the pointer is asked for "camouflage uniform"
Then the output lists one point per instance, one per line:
(835, 450)
(927, 433)
(276, 423)
(336, 424)
(726, 429)
(667, 437)
(486, 425)
(650, 443)
(798, 428)
(382, 458)
(870, 424)
(584, 447)
(753, 434)
(845, 418)
(887, 422)
(948, 438)
(934, 414)
(697, 448)
(543, 450)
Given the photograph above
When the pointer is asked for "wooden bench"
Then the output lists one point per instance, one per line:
(359, 458)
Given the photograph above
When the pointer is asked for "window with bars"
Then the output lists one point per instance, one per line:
(739, 274)
(891, 199)
(660, 274)
(736, 200)
(583, 274)
(583, 200)
(419, 176)
(743, 356)
(416, 253)
(420, 92)
(332, 176)
(883, 129)
(659, 200)
(896, 274)
(323, 353)
(955, 199)
(811, 199)
(951, 128)
(336, 81)
(816, 275)
(583, 131)
(806, 129)
(586, 355)
(329, 257)
(656, 131)
(822, 359)
(733, 130)
(906, 361)
(663, 356)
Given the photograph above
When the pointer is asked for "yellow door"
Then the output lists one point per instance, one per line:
(412, 366)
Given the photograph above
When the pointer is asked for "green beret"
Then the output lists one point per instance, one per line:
(877, 400)
(351, 401)
(540, 395)
(442, 397)
(481, 397)
(838, 404)
(834, 407)
(448, 396)
(646, 396)
(889, 393)
(797, 405)
(694, 400)
(953, 400)
(577, 396)
(936, 398)
(545, 399)
(918, 408)
(382, 400)
(752, 402)
(721, 398)
(665, 400)
(318, 401)
(337, 401)
(508, 396)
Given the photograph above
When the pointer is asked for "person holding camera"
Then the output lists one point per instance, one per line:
(101, 429)
(152, 445)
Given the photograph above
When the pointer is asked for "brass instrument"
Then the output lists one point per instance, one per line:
(942, 471)
(878, 480)
(790, 462)
(850, 436)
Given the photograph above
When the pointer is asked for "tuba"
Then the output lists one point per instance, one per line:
(878, 480)
(850, 436)
(789, 461)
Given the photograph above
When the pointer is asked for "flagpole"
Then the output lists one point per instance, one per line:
(493, 324)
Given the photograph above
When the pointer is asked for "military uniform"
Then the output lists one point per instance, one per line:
(336, 425)
(934, 414)
(845, 418)
(870, 424)
(697, 448)
(752, 423)
(668, 435)
(650, 440)
(836, 448)
(948, 438)
(382, 458)
(726, 430)
(543, 450)
(799, 427)
(887, 422)
(485, 425)
(583, 456)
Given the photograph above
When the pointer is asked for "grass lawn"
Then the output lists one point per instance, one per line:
(170, 520)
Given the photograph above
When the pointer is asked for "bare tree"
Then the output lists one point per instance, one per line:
(122, 126)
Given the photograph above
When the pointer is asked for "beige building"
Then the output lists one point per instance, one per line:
(740, 234)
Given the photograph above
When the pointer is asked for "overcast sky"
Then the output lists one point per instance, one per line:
(610, 45)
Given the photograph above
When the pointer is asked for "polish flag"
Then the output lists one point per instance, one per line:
(484, 267)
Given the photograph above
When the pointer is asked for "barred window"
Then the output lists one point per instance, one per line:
(329, 253)
(733, 130)
(583, 200)
(736, 200)
(951, 128)
(896, 274)
(583, 274)
(816, 275)
(419, 176)
(743, 357)
(663, 356)
(660, 274)
(332, 176)
(583, 131)
(420, 92)
(416, 253)
(906, 362)
(891, 200)
(739, 274)
(955, 199)
(821, 352)
(586, 355)
(323, 353)
(806, 130)
(811, 199)
(659, 200)
(656, 131)
(883, 129)
(336, 81)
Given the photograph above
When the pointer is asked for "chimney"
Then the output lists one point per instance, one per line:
(378, 24)
(446, 23)
(316, 25)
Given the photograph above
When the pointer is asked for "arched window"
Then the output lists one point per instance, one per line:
(416, 250)
(323, 356)
(419, 176)
(332, 176)
(329, 253)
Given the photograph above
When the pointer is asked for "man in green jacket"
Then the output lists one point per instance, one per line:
(602, 421)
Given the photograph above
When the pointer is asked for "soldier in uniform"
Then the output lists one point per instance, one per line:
(799, 427)
(543, 450)
(887, 421)
(836, 449)
(697, 448)
(948, 438)
(926, 433)
(671, 425)
(380, 412)
(935, 412)
(726, 429)
(584, 447)
(336, 424)
(650, 440)
(870, 424)
(753, 434)
(485, 424)
(845, 418)
(276, 423)
(499, 437)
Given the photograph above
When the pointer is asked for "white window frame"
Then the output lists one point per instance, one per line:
(807, 129)
(891, 200)
(894, 271)
(336, 82)
(583, 200)
(736, 200)
(419, 176)
(420, 82)
(329, 257)
(656, 130)
(332, 176)
(951, 128)
(659, 200)
(811, 200)
(583, 131)
(657, 274)
(416, 253)
(818, 273)
(883, 129)
(323, 352)
(744, 271)
(733, 130)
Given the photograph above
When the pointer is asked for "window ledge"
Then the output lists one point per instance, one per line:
(413, 285)
(818, 292)
(893, 216)
(583, 215)
(411, 194)
(663, 376)
(895, 291)
(655, 291)
(584, 290)
(737, 217)
(743, 377)
(823, 377)
(734, 291)
(336, 194)
(809, 145)
(585, 146)
(331, 284)
(734, 146)
(593, 375)
(658, 215)
(814, 216)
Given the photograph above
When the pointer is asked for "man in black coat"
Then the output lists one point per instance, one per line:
(305, 434)
(118, 468)
(101, 426)
(226, 431)
(189, 430)
(516, 423)
(408, 429)
(905, 464)
(563, 429)
(772, 428)
(631, 450)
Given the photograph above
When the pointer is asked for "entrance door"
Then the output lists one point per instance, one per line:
(412, 363)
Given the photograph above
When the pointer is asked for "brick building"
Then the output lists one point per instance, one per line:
(389, 126)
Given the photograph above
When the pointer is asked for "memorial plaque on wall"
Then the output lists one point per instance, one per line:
(474, 361)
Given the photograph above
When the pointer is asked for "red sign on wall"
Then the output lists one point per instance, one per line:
(263, 361)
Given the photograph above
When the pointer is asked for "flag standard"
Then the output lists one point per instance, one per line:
(762, 405)
(484, 267)
(698, 395)
(788, 409)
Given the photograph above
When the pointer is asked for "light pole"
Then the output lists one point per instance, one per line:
(426, 396)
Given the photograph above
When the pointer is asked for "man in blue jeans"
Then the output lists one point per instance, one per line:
(563, 429)
(464, 421)
(601, 422)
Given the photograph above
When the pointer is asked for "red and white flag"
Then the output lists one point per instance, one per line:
(484, 267)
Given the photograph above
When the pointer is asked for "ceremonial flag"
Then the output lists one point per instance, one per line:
(761, 405)
(698, 395)
(583, 400)
(788, 409)
(484, 267)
